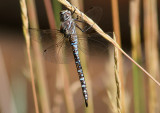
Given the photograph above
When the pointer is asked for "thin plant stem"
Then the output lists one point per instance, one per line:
(138, 81)
(27, 38)
(57, 7)
(62, 69)
(83, 58)
(67, 92)
(7, 101)
(38, 62)
(116, 27)
(59, 87)
(151, 50)
(116, 71)
(50, 13)
(104, 35)
(116, 24)
(53, 18)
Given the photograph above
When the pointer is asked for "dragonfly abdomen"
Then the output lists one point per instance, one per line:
(74, 45)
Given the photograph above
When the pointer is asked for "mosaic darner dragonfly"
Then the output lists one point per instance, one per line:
(52, 46)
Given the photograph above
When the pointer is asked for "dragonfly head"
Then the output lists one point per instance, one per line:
(65, 15)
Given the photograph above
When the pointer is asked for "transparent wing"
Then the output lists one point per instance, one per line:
(55, 47)
(95, 13)
(96, 45)
(46, 37)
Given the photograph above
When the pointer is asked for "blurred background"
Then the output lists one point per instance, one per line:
(136, 24)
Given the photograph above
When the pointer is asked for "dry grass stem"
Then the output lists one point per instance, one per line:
(103, 34)
(151, 50)
(109, 101)
(138, 81)
(58, 99)
(50, 13)
(38, 60)
(116, 26)
(7, 103)
(116, 70)
(83, 58)
(67, 92)
(27, 38)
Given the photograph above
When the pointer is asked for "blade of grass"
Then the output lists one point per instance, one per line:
(63, 68)
(58, 100)
(56, 9)
(83, 59)
(116, 71)
(7, 103)
(151, 50)
(38, 63)
(110, 82)
(50, 14)
(67, 92)
(103, 34)
(53, 18)
(27, 39)
(116, 26)
(19, 89)
(138, 81)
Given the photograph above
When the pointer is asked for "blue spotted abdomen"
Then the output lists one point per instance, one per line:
(74, 43)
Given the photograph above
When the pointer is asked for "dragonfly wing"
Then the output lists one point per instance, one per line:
(96, 45)
(95, 13)
(53, 45)
(59, 54)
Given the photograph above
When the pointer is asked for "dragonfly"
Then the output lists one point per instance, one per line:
(54, 40)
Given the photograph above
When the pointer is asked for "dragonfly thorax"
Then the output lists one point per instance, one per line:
(65, 15)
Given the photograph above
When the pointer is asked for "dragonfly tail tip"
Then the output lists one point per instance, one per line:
(86, 102)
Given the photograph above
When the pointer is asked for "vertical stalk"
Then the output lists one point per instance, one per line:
(27, 39)
(151, 49)
(67, 92)
(39, 69)
(50, 14)
(83, 59)
(116, 71)
(116, 27)
(62, 69)
(7, 103)
(138, 80)
(56, 9)
(54, 22)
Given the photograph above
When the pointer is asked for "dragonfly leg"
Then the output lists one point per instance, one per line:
(86, 28)
(73, 11)
(76, 19)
